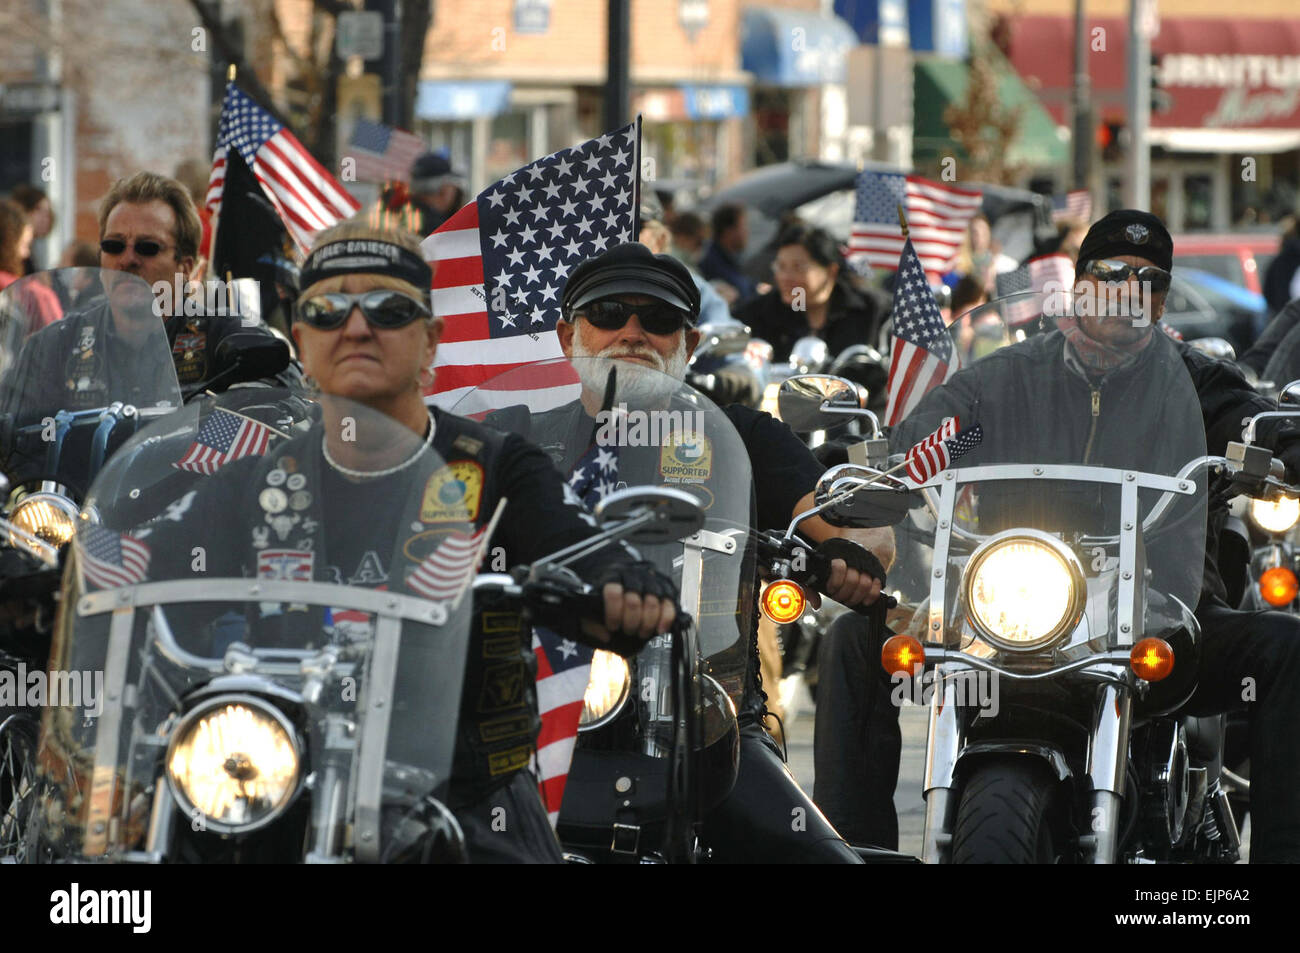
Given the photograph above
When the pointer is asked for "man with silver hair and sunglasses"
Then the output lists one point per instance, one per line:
(634, 312)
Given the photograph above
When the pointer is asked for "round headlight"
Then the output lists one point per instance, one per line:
(1275, 516)
(1024, 590)
(235, 760)
(607, 689)
(46, 516)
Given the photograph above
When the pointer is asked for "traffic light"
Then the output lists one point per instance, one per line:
(1110, 137)
(1161, 101)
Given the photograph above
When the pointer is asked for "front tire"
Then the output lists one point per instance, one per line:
(1006, 815)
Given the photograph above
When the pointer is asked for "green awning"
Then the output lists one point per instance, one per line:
(940, 82)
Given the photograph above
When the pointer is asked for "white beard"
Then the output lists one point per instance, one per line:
(636, 384)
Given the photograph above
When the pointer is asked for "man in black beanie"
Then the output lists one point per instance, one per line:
(1101, 388)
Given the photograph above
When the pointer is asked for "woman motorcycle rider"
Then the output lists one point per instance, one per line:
(364, 332)
(816, 295)
(1247, 660)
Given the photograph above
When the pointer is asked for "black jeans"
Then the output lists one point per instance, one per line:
(1250, 661)
(767, 818)
(857, 741)
(510, 826)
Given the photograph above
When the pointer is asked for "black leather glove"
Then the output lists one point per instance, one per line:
(639, 577)
(855, 555)
(1289, 454)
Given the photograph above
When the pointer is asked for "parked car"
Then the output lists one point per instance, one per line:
(1240, 259)
(823, 193)
(1203, 305)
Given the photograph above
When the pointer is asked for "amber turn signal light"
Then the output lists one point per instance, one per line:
(783, 601)
(902, 653)
(1278, 586)
(1152, 659)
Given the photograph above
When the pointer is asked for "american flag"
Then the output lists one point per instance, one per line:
(1053, 274)
(223, 437)
(925, 453)
(563, 666)
(307, 197)
(110, 559)
(501, 262)
(937, 457)
(447, 571)
(923, 356)
(1074, 204)
(937, 216)
(382, 153)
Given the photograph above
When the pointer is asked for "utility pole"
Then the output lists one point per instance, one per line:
(390, 73)
(1083, 119)
(1141, 17)
(618, 98)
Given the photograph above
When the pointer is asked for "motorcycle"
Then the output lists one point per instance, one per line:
(1050, 632)
(610, 425)
(253, 713)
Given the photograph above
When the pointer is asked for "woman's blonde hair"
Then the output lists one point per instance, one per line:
(359, 228)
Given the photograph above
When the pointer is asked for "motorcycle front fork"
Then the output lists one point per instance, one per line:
(1107, 766)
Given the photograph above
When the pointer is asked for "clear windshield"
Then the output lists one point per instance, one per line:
(1074, 412)
(652, 431)
(74, 343)
(244, 564)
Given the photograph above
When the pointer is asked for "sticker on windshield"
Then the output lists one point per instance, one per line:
(686, 459)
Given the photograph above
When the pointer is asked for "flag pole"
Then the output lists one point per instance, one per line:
(902, 220)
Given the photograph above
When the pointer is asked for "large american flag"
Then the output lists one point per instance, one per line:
(225, 436)
(307, 197)
(108, 559)
(937, 216)
(382, 153)
(922, 352)
(564, 666)
(501, 262)
(1053, 274)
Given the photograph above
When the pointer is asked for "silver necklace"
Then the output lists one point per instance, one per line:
(375, 474)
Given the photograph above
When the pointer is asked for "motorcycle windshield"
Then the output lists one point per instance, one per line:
(648, 429)
(1059, 508)
(64, 367)
(276, 648)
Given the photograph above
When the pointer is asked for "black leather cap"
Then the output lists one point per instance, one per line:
(631, 268)
(1128, 231)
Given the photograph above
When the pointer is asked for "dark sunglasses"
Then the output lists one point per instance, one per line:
(613, 315)
(382, 308)
(1110, 269)
(144, 247)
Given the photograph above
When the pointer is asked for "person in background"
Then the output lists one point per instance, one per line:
(437, 190)
(721, 260)
(966, 295)
(980, 256)
(1282, 277)
(689, 235)
(74, 290)
(655, 235)
(39, 302)
(815, 295)
(40, 214)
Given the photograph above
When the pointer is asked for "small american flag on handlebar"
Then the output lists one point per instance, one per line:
(941, 449)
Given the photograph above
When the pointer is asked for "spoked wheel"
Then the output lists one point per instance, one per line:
(18, 734)
(1006, 815)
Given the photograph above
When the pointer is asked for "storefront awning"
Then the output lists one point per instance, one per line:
(467, 99)
(793, 47)
(940, 83)
(1235, 79)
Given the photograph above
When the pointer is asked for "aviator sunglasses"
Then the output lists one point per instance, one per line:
(613, 315)
(1110, 269)
(382, 309)
(144, 247)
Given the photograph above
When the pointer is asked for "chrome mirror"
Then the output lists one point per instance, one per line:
(1290, 394)
(665, 514)
(1214, 347)
(814, 401)
(809, 354)
(869, 505)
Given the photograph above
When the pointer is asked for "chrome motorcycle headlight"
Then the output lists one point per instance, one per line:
(236, 761)
(1024, 590)
(46, 516)
(607, 690)
(1275, 516)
